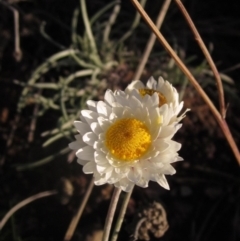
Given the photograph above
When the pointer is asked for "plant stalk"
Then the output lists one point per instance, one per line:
(152, 40)
(24, 203)
(76, 217)
(121, 215)
(110, 215)
(207, 56)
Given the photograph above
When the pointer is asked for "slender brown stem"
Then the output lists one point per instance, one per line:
(17, 52)
(222, 123)
(24, 203)
(72, 226)
(17, 49)
(207, 56)
(110, 215)
(152, 40)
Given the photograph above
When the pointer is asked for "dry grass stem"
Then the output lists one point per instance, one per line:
(207, 56)
(222, 123)
(152, 40)
(110, 23)
(24, 203)
(17, 50)
(72, 226)
(34, 121)
(140, 222)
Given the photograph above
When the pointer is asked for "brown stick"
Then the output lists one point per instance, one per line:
(222, 123)
(76, 217)
(207, 56)
(24, 203)
(17, 50)
(152, 40)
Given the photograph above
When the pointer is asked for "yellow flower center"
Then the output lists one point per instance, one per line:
(128, 139)
(162, 98)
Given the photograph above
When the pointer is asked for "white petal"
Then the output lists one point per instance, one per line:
(109, 97)
(120, 92)
(161, 145)
(155, 99)
(76, 145)
(100, 158)
(160, 83)
(89, 138)
(102, 108)
(122, 170)
(95, 127)
(82, 127)
(164, 157)
(167, 132)
(89, 116)
(89, 167)
(173, 145)
(156, 163)
(92, 105)
(134, 103)
(115, 178)
(122, 101)
(99, 179)
(167, 112)
(104, 169)
(152, 83)
(168, 170)
(109, 174)
(134, 175)
(142, 183)
(118, 111)
(147, 100)
(178, 109)
(155, 124)
(82, 162)
(162, 181)
(125, 185)
(86, 153)
(136, 84)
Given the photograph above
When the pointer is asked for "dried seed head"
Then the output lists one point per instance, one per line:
(153, 220)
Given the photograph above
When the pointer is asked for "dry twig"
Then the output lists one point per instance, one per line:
(24, 203)
(207, 56)
(76, 217)
(151, 40)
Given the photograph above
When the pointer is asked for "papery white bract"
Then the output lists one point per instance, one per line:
(164, 88)
(125, 140)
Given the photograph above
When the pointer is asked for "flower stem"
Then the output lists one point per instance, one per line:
(121, 215)
(76, 217)
(110, 215)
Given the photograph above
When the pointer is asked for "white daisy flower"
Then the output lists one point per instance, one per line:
(123, 140)
(168, 95)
